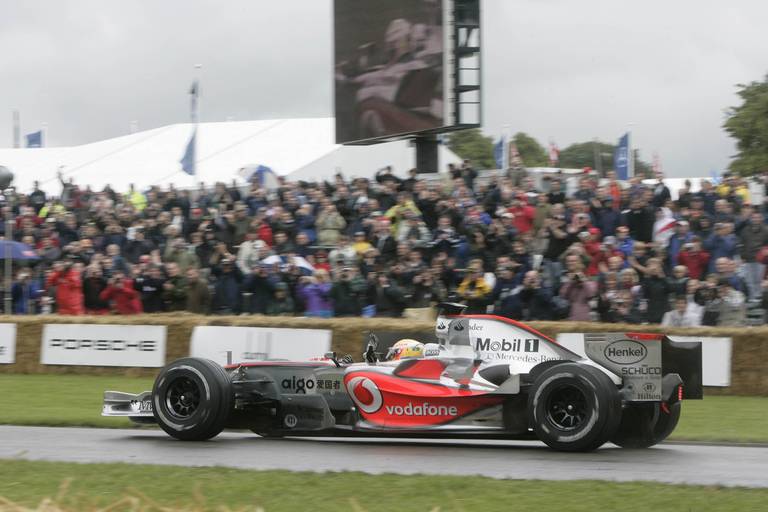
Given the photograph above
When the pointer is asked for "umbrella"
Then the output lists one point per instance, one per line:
(18, 250)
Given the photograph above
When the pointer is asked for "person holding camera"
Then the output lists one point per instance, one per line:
(65, 277)
(578, 289)
(122, 295)
(347, 292)
(475, 291)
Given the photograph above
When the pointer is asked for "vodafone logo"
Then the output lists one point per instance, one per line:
(365, 394)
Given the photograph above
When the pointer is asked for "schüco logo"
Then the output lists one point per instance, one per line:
(625, 352)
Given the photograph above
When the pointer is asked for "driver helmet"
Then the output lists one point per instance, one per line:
(405, 349)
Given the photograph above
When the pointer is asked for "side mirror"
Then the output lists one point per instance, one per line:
(332, 357)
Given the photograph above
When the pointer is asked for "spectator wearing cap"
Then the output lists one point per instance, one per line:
(607, 218)
(676, 242)
(661, 194)
(281, 304)
(137, 245)
(178, 252)
(753, 237)
(259, 289)
(524, 214)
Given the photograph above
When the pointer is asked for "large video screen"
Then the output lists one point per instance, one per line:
(388, 68)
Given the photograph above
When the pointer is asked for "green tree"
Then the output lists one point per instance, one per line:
(597, 155)
(748, 124)
(531, 152)
(472, 144)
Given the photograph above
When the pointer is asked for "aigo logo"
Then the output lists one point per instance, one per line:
(365, 394)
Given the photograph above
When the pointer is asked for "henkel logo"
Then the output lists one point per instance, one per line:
(365, 394)
(425, 409)
(625, 352)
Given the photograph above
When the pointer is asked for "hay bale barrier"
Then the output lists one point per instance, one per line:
(748, 373)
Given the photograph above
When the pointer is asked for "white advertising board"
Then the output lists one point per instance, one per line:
(258, 343)
(140, 346)
(7, 343)
(715, 355)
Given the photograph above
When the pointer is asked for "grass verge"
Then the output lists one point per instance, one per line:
(149, 488)
(75, 400)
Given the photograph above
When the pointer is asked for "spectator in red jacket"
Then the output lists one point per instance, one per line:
(695, 258)
(69, 288)
(524, 214)
(120, 293)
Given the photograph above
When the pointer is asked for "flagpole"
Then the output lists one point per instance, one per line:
(43, 134)
(631, 170)
(506, 139)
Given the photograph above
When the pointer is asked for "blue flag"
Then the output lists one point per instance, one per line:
(188, 160)
(498, 153)
(621, 158)
(35, 139)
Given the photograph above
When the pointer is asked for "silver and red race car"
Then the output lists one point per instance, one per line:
(487, 377)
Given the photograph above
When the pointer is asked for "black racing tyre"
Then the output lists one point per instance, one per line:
(646, 424)
(574, 407)
(192, 399)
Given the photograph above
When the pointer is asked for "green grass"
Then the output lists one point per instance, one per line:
(98, 485)
(75, 400)
(62, 400)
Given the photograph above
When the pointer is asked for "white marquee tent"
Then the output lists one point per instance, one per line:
(296, 148)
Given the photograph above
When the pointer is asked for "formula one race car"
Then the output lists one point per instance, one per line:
(487, 377)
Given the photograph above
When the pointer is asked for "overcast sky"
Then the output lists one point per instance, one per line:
(562, 70)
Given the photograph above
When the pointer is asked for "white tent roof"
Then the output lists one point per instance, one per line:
(297, 148)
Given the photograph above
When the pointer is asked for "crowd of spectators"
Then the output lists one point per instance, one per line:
(511, 245)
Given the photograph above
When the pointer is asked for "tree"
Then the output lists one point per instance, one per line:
(531, 152)
(597, 155)
(472, 144)
(748, 124)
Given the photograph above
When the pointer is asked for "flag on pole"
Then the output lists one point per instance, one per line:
(656, 166)
(621, 158)
(187, 161)
(554, 154)
(498, 153)
(194, 94)
(35, 139)
(260, 174)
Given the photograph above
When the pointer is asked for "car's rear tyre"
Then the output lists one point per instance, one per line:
(644, 425)
(192, 399)
(574, 408)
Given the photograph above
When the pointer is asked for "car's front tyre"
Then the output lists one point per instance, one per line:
(192, 399)
(574, 407)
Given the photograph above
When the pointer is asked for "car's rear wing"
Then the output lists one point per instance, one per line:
(643, 360)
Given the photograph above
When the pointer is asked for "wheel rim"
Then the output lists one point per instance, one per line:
(182, 397)
(567, 408)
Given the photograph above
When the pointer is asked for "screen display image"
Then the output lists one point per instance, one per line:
(388, 67)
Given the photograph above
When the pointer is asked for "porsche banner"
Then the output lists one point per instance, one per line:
(7, 343)
(140, 346)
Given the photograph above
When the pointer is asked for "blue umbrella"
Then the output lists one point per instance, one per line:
(19, 251)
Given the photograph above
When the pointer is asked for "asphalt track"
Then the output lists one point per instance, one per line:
(670, 462)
